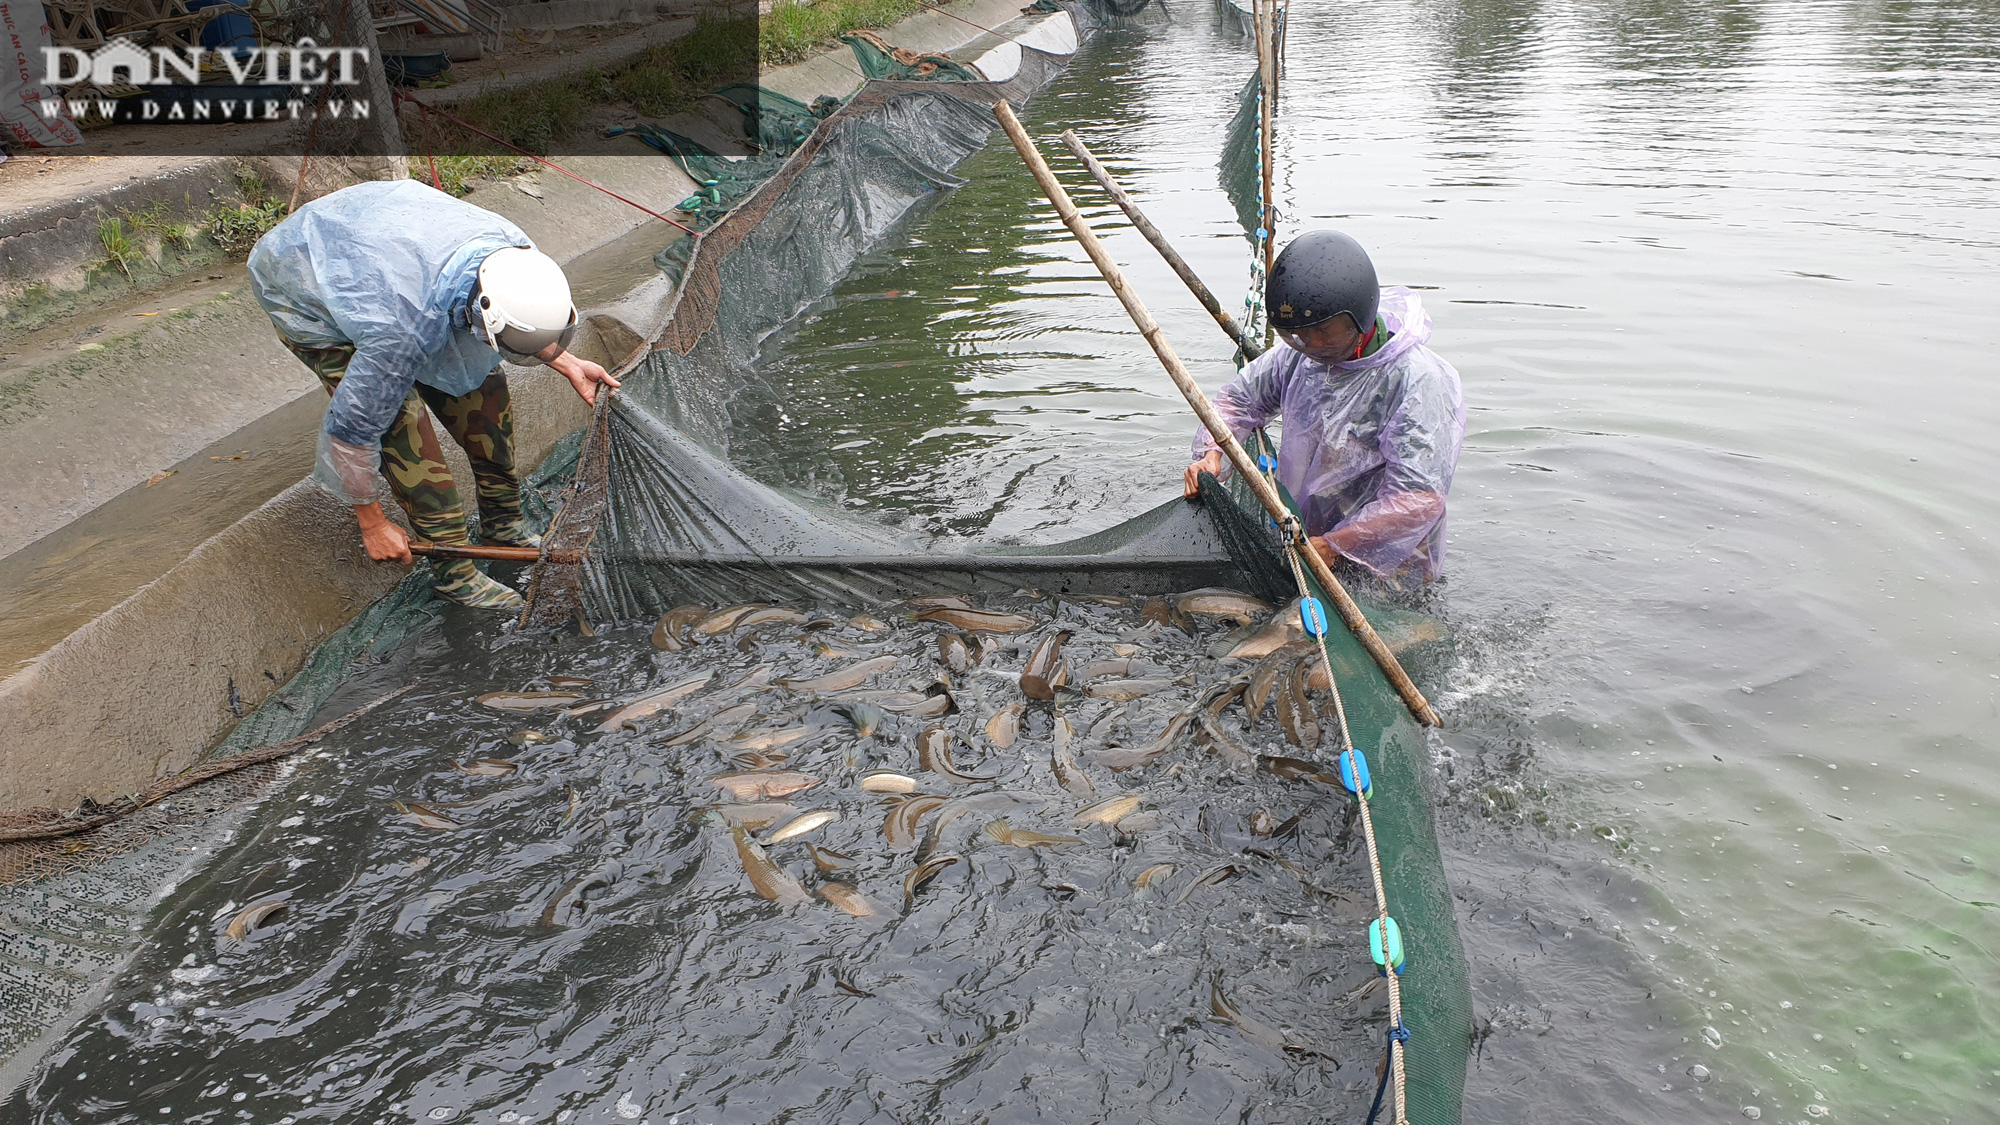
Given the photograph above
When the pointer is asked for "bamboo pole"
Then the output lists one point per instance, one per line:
(1267, 75)
(1343, 603)
(493, 554)
(1251, 348)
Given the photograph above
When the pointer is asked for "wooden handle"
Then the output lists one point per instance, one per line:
(1343, 603)
(494, 554)
(1251, 348)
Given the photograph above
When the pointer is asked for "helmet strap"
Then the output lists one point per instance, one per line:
(1365, 341)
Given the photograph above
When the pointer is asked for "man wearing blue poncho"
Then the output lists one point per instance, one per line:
(1374, 420)
(399, 297)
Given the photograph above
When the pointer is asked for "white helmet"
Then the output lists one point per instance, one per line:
(523, 299)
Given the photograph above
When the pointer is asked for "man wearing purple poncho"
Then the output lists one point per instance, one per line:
(1374, 420)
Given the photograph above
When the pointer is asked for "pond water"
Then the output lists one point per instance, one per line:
(1719, 282)
(535, 907)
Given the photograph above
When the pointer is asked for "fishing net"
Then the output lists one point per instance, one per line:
(1437, 1001)
(1237, 165)
(674, 522)
(776, 124)
(649, 500)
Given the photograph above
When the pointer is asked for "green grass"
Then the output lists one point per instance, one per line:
(184, 234)
(532, 116)
(665, 80)
(235, 231)
(456, 172)
(793, 31)
(120, 247)
(668, 77)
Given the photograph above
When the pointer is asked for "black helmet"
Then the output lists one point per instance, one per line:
(1320, 275)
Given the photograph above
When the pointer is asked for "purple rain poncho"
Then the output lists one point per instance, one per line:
(1370, 445)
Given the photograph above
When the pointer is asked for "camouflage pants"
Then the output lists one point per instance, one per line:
(482, 423)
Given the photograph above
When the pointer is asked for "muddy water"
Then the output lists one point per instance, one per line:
(1720, 283)
(500, 915)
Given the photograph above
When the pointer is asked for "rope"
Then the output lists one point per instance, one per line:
(58, 825)
(1397, 1032)
(470, 128)
(1397, 1035)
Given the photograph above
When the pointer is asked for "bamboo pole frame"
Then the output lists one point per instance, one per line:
(1350, 613)
(1251, 348)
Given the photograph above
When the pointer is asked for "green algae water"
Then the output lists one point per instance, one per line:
(1720, 283)
(1712, 790)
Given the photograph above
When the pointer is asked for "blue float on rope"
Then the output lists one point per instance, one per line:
(1312, 615)
(1354, 774)
(1266, 462)
(1385, 945)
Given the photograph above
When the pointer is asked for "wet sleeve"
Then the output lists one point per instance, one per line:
(364, 406)
(1246, 402)
(1420, 444)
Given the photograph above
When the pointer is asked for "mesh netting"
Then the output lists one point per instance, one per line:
(679, 524)
(777, 125)
(1437, 1001)
(1237, 165)
(668, 520)
(1252, 542)
(1437, 997)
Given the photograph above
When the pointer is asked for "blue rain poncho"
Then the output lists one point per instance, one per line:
(1370, 445)
(387, 267)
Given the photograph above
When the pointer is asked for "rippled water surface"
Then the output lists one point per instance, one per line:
(1720, 282)
(1716, 771)
(458, 911)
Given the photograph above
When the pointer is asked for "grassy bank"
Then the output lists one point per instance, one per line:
(665, 80)
(794, 31)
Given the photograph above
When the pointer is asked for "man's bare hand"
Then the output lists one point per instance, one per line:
(1328, 553)
(384, 540)
(582, 374)
(1210, 463)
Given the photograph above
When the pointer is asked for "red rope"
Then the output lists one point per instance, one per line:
(402, 97)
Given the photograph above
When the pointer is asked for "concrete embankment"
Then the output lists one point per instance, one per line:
(137, 650)
(204, 627)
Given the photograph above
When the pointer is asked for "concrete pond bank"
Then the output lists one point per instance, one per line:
(145, 619)
(192, 571)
